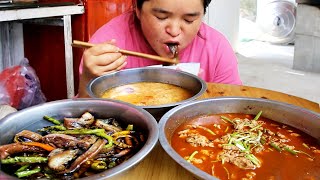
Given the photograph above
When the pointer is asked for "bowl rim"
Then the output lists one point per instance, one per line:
(194, 97)
(165, 144)
(152, 140)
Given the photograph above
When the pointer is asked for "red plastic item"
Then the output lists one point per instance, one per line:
(12, 81)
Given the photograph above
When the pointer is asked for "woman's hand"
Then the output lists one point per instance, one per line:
(99, 60)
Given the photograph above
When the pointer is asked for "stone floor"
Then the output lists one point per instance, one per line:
(270, 66)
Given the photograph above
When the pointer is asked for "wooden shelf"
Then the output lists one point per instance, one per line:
(11, 34)
(39, 12)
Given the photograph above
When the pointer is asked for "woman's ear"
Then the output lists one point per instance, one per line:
(138, 13)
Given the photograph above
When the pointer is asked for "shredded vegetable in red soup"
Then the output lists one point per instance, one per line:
(243, 146)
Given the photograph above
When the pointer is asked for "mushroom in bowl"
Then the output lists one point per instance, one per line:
(239, 137)
(81, 138)
(155, 89)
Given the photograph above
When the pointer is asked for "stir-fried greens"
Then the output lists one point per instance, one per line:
(74, 148)
(240, 146)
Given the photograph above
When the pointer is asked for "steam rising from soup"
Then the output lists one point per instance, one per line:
(148, 93)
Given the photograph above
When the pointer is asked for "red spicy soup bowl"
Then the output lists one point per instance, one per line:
(296, 117)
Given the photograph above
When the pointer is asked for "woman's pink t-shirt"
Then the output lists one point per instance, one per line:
(210, 48)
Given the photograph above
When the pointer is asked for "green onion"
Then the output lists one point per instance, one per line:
(224, 120)
(235, 134)
(207, 129)
(305, 145)
(245, 145)
(19, 159)
(257, 160)
(105, 136)
(51, 119)
(252, 129)
(275, 146)
(242, 138)
(258, 115)
(80, 131)
(230, 141)
(253, 159)
(55, 127)
(129, 127)
(28, 172)
(239, 145)
(97, 132)
(227, 119)
(249, 146)
(191, 156)
(290, 150)
(22, 168)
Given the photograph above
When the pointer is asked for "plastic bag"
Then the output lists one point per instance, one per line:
(20, 86)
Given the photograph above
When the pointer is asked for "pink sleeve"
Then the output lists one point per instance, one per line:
(218, 61)
(108, 31)
(226, 67)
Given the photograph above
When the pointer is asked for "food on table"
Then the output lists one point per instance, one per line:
(173, 49)
(148, 93)
(75, 148)
(243, 146)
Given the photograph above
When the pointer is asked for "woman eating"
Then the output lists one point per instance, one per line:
(160, 27)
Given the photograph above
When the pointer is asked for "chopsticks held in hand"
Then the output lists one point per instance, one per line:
(129, 53)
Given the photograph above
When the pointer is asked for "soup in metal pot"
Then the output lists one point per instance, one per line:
(243, 146)
(148, 93)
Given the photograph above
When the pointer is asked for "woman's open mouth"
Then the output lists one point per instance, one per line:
(173, 48)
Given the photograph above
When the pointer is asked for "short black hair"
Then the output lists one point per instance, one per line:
(205, 4)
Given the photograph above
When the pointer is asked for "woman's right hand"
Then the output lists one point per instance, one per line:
(99, 60)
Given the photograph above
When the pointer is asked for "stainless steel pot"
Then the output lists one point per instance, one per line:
(32, 119)
(149, 74)
(300, 118)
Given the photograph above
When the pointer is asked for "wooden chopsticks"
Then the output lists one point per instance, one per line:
(82, 44)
